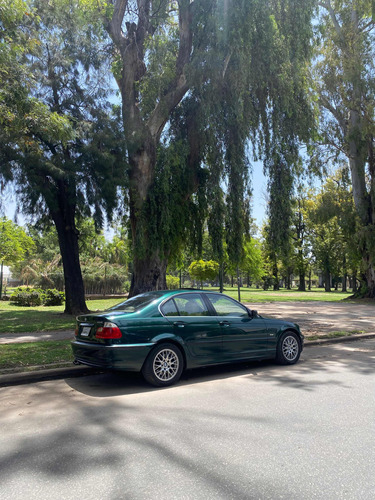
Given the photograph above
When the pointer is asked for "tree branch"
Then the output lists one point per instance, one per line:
(179, 86)
(327, 5)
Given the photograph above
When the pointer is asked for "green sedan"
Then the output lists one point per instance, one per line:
(162, 333)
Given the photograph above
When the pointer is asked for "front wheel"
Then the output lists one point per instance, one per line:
(163, 366)
(288, 349)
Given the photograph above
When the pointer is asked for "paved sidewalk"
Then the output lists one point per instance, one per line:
(11, 338)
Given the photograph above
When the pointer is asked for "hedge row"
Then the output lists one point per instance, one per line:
(30, 297)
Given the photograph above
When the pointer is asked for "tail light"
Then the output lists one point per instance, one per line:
(108, 331)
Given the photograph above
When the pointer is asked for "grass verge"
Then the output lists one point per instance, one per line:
(15, 319)
(333, 335)
(22, 357)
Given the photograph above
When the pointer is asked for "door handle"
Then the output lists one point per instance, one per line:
(179, 324)
(224, 323)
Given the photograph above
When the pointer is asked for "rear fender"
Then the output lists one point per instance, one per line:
(173, 339)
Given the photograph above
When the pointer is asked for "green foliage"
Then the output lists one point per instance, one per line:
(15, 244)
(102, 278)
(202, 270)
(173, 282)
(345, 88)
(333, 225)
(253, 263)
(29, 297)
(204, 82)
(53, 298)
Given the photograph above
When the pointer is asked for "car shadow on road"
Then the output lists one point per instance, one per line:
(109, 384)
(328, 360)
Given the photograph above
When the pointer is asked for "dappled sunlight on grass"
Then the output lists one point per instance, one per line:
(283, 295)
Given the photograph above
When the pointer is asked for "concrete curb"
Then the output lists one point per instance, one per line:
(338, 340)
(30, 377)
(81, 371)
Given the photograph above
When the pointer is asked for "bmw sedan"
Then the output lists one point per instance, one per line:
(163, 333)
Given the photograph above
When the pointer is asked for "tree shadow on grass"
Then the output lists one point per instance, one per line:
(32, 320)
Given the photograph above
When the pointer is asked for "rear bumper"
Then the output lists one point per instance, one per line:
(117, 357)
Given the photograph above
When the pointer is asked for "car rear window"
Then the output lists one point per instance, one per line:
(135, 303)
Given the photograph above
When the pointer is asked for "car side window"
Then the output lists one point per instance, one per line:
(191, 305)
(169, 308)
(224, 306)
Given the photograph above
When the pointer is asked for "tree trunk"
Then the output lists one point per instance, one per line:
(345, 275)
(276, 285)
(149, 274)
(370, 275)
(1, 279)
(221, 277)
(63, 215)
(302, 281)
(327, 281)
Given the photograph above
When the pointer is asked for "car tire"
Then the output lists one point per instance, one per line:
(288, 348)
(164, 365)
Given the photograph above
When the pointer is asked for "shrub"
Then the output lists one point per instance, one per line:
(173, 282)
(29, 297)
(53, 298)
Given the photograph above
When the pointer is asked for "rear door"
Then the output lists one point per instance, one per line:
(193, 322)
(243, 336)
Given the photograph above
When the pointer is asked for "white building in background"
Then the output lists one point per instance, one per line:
(6, 273)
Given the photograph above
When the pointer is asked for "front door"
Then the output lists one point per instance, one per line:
(243, 336)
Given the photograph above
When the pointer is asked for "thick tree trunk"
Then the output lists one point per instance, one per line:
(149, 274)
(327, 281)
(64, 219)
(370, 275)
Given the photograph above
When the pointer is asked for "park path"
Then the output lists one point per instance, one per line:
(320, 318)
(12, 338)
(314, 318)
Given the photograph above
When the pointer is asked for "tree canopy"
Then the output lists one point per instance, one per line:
(200, 81)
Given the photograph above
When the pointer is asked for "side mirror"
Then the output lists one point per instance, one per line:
(252, 313)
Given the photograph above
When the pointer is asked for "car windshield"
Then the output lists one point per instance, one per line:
(135, 303)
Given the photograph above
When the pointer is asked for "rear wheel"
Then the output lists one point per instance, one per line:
(288, 349)
(163, 366)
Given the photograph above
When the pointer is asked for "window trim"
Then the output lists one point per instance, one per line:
(193, 294)
(207, 294)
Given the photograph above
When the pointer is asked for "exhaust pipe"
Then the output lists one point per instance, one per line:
(76, 362)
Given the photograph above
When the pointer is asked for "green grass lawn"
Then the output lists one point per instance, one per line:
(21, 357)
(283, 295)
(14, 319)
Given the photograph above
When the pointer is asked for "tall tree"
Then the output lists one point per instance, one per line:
(217, 68)
(68, 165)
(331, 223)
(14, 245)
(346, 85)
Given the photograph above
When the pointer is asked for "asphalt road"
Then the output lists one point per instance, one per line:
(255, 431)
